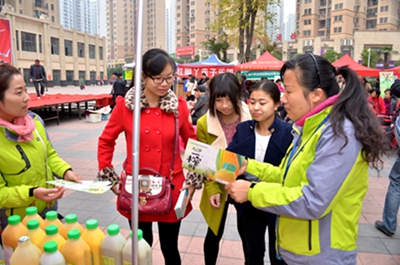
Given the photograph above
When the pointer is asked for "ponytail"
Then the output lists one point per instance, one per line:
(353, 105)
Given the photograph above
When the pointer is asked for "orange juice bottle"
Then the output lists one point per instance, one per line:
(13, 231)
(71, 222)
(52, 235)
(76, 251)
(35, 233)
(112, 245)
(52, 219)
(32, 214)
(51, 255)
(144, 255)
(93, 236)
(26, 253)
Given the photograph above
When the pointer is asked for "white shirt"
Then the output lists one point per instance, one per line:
(262, 142)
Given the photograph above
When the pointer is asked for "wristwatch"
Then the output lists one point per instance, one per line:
(252, 185)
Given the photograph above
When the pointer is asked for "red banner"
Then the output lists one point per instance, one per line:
(185, 51)
(210, 71)
(5, 42)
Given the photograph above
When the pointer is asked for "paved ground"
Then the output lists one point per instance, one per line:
(76, 142)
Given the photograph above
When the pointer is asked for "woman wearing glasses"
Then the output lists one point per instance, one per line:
(27, 158)
(318, 189)
(159, 107)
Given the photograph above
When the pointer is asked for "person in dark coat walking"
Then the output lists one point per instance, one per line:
(201, 106)
(118, 88)
(38, 77)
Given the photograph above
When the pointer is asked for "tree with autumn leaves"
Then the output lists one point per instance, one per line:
(242, 21)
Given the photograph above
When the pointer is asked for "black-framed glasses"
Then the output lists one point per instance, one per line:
(316, 66)
(160, 80)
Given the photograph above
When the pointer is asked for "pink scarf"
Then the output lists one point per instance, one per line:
(23, 126)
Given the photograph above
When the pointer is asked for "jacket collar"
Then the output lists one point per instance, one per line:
(167, 103)
(214, 126)
(271, 128)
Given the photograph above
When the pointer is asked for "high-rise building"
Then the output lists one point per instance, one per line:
(171, 27)
(276, 26)
(35, 8)
(82, 15)
(333, 19)
(121, 30)
(102, 18)
(290, 26)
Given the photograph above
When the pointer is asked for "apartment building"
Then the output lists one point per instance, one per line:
(332, 20)
(35, 8)
(192, 19)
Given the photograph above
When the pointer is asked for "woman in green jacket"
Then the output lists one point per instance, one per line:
(216, 128)
(27, 158)
(318, 188)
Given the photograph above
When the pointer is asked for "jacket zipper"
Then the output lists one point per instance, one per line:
(309, 235)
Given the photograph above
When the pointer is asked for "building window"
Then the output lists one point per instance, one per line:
(337, 30)
(307, 11)
(338, 18)
(68, 47)
(20, 11)
(70, 77)
(56, 77)
(338, 6)
(100, 53)
(307, 22)
(40, 43)
(306, 33)
(383, 20)
(52, 7)
(17, 39)
(81, 50)
(28, 42)
(384, 8)
(307, 1)
(92, 54)
(55, 46)
(52, 19)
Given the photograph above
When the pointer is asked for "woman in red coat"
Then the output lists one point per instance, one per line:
(157, 127)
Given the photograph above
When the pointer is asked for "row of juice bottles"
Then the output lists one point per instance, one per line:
(36, 241)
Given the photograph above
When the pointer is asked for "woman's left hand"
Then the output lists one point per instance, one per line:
(72, 176)
(191, 189)
(238, 190)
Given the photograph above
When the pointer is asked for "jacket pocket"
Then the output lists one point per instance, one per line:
(299, 236)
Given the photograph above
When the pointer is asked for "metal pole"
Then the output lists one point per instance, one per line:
(369, 55)
(136, 130)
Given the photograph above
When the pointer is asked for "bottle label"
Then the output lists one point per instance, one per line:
(127, 263)
(8, 251)
(107, 260)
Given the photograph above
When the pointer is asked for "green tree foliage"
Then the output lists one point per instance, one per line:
(331, 55)
(387, 51)
(397, 63)
(243, 19)
(218, 45)
(196, 59)
(372, 60)
(179, 60)
(118, 69)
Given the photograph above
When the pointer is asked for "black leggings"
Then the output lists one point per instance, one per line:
(211, 243)
(168, 235)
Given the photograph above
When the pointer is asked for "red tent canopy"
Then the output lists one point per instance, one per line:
(361, 70)
(264, 62)
(396, 70)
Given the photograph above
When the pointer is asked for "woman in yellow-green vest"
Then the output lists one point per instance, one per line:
(317, 190)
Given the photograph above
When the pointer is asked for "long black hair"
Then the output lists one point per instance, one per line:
(222, 85)
(314, 72)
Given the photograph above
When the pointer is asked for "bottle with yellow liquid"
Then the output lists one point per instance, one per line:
(71, 222)
(13, 231)
(76, 251)
(144, 251)
(51, 255)
(52, 219)
(112, 246)
(52, 235)
(35, 233)
(93, 236)
(32, 214)
(26, 253)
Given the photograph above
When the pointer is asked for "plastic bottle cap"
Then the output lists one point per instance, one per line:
(113, 229)
(51, 230)
(71, 218)
(33, 224)
(23, 239)
(228, 166)
(32, 210)
(50, 247)
(51, 215)
(91, 224)
(139, 234)
(14, 220)
(74, 234)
